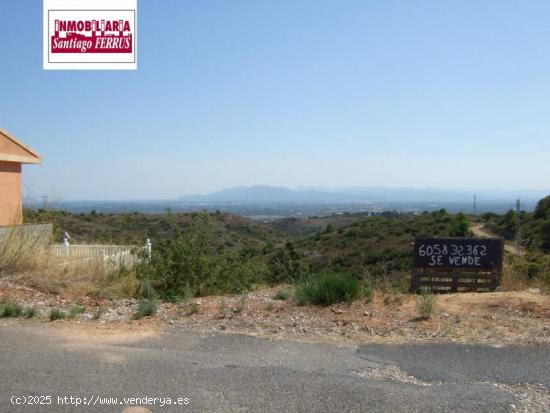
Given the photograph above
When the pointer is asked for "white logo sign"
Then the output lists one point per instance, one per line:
(90, 34)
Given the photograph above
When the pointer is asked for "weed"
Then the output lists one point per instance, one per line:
(194, 308)
(76, 310)
(328, 288)
(171, 296)
(188, 292)
(97, 314)
(282, 295)
(29, 312)
(367, 291)
(145, 308)
(392, 300)
(57, 314)
(21, 249)
(425, 304)
(222, 308)
(242, 303)
(10, 309)
(147, 291)
(269, 306)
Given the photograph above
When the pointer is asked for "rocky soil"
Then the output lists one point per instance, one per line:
(493, 318)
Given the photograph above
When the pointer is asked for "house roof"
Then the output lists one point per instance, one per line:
(13, 150)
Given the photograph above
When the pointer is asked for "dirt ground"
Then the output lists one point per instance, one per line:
(495, 318)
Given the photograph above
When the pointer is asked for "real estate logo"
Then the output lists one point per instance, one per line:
(90, 34)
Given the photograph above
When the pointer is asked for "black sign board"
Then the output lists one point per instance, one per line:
(466, 253)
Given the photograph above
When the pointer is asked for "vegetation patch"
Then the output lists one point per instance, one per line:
(76, 310)
(30, 312)
(57, 314)
(146, 308)
(328, 288)
(282, 295)
(190, 264)
(425, 304)
(9, 309)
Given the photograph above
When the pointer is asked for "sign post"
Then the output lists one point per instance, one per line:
(457, 264)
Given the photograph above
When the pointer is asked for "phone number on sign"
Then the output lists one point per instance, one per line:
(452, 254)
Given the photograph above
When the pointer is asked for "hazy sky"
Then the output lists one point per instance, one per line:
(330, 93)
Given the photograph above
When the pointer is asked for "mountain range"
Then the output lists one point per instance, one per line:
(262, 194)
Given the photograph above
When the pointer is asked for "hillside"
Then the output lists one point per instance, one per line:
(531, 229)
(230, 231)
(379, 247)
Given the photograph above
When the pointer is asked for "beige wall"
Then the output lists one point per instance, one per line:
(9, 148)
(10, 193)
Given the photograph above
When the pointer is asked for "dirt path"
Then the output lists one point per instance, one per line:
(479, 231)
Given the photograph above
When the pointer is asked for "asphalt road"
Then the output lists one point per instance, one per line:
(234, 373)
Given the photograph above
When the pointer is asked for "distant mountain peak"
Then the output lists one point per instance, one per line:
(265, 194)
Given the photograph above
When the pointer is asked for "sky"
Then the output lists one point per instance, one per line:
(444, 94)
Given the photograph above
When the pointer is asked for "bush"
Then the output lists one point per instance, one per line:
(147, 291)
(146, 308)
(282, 295)
(29, 312)
(545, 235)
(328, 288)
(56, 314)
(76, 310)
(425, 304)
(194, 308)
(367, 291)
(460, 226)
(11, 310)
(288, 264)
(189, 264)
(542, 210)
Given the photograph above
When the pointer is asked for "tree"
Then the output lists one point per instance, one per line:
(542, 210)
(509, 224)
(545, 235)
(460, 227)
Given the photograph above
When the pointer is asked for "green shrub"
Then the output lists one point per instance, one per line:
(76, 310)
(282, 295)
(171, 296)
(328, 288)
(10, 309)
(189, 264)
(460, 226)
(146, 308)
(222, 308)
(288, 264)
(367, 291)
(194, 308)
(29, 312)
(425, 304)
(57, 314)
(147, 291)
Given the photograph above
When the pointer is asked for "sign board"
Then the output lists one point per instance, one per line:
(467, 253)
(90, 34)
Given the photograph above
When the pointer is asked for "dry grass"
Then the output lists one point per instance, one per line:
(519, 274)
(21, 250)
(25, 259)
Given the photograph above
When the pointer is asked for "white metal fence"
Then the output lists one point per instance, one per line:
(112, 255)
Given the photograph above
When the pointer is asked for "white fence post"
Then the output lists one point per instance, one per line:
(66, 238)
(148, 247)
